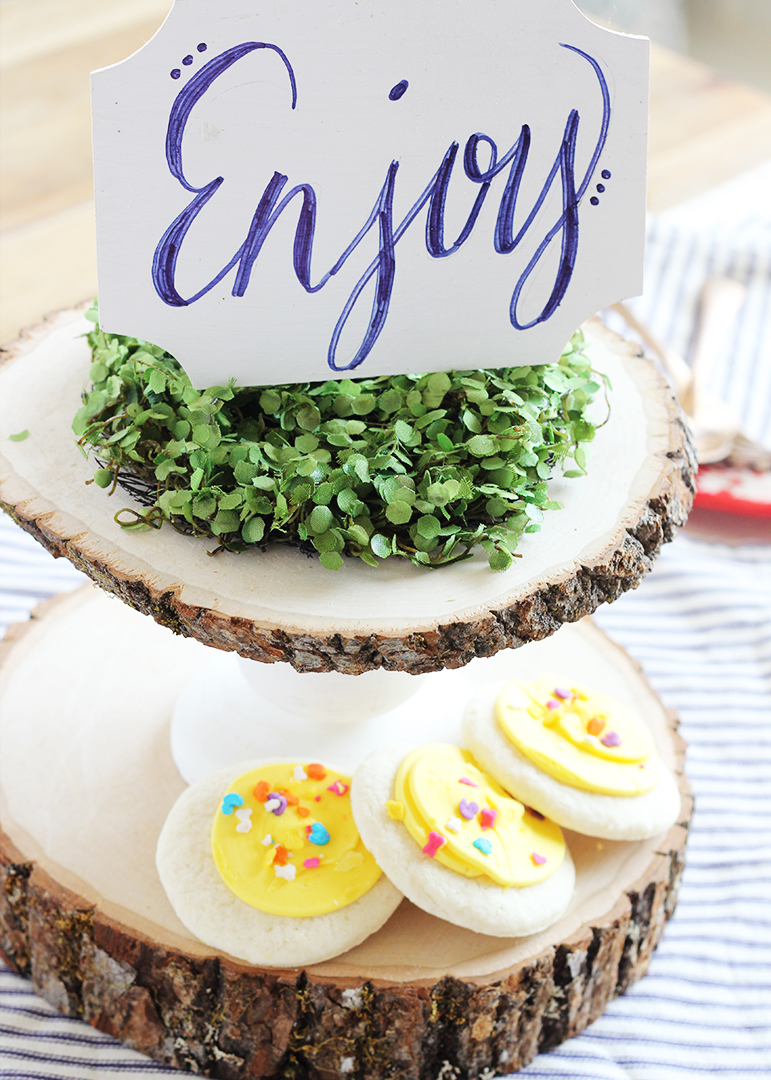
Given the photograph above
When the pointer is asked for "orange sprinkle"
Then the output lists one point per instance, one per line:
(281, 855)
(261, 790)
(303, 811)
(595, 726)
(316, 772)
(291, 799)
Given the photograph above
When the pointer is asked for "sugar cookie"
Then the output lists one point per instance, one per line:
(460, 819)
(579, 750)
(285, 840)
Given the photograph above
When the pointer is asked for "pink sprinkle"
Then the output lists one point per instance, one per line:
(318, 798)
(487, 819)
(552, 704)
(560, 693)
(465, 780)
(338, 788)
(435, 841)
(308, 829)
(539, 860)
(611, 739)
(312, 864)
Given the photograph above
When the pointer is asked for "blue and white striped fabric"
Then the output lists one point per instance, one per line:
(701, 627)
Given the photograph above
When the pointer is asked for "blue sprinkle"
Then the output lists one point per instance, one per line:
(319, 834)
(600, 188)
(594, 201)
(188, 60)
(483, 845)
(231, 800)
(175, 73)
(606, 174)
(202, 47)
(398, 90)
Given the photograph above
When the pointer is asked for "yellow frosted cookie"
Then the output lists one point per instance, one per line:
(580, 736)
(574, 754)
(457, 845)
(284, 840)
(250, 873)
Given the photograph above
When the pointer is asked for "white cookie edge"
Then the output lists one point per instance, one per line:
(468, 902)
(608, 817)
(216, 916)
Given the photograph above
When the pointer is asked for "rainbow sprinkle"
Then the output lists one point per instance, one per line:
(435, 841)
(611, 739)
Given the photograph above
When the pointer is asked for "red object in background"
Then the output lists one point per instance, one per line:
(734, 491)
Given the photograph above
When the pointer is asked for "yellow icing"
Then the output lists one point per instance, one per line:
(248, 865)
(395, 810)
(566, 741)
(428, 785)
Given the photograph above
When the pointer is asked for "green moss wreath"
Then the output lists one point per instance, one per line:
(426, 467)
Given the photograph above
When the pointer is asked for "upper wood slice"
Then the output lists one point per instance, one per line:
(281, 605)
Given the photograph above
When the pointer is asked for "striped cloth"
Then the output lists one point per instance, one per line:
(701, 627)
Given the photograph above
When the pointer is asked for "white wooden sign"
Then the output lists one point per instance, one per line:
(312, 189)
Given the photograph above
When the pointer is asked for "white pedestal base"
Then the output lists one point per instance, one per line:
(234, 710)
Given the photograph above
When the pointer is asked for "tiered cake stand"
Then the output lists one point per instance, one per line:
(87, 770)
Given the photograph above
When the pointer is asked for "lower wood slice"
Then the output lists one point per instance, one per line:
(86, 780)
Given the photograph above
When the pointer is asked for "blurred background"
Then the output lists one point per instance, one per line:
(732, 36)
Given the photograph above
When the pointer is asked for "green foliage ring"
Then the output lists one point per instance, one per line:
(424, 467)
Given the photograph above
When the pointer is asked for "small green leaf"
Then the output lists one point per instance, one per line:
(103, 478)
(321, 519)
(20, 436)
(270, 401)
(206, 437)
(225, 521)
(428, 527)
(309, 418)
(306, 443)
(482, 446)
(381, 545)
(398, 513)
(253, 530)
(358, 535)
(403, 431)
(157, 381)
(230, 501)
(500, 560)
(348, 502)
(331, 560)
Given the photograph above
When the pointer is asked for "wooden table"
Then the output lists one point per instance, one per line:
(704, 130)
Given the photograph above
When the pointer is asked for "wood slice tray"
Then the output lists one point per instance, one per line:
(86, 780)
(280, 605)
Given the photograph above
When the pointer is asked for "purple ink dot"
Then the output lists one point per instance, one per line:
(202, 47)
(594, 201)
(606, 174)
(187, 60)
(175, 73)
(600, 188)
(398, 90)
